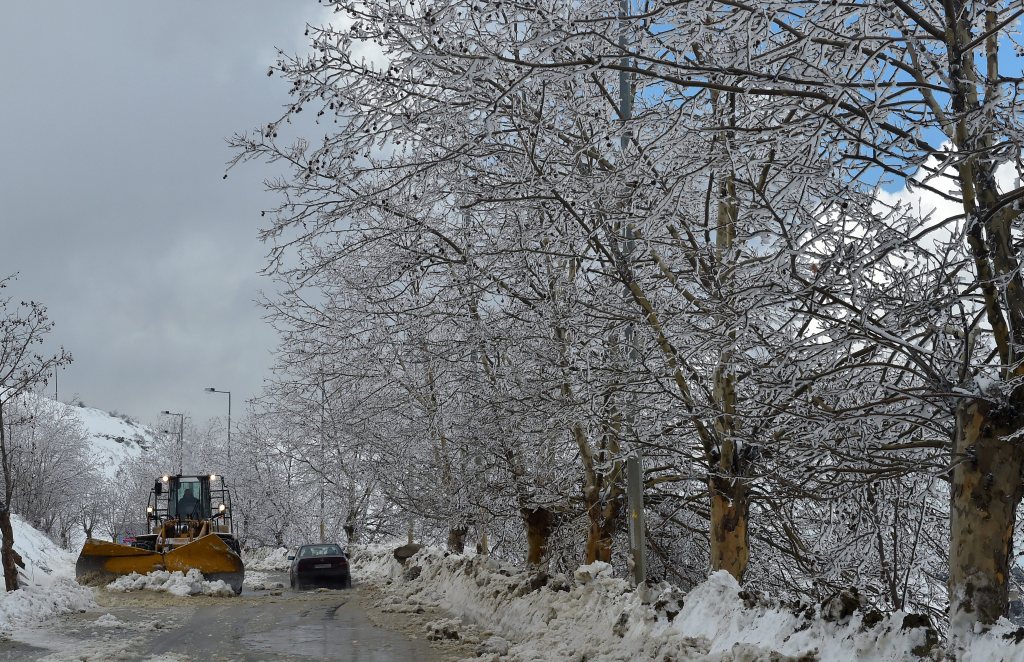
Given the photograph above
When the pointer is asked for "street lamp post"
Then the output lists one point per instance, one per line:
(210, 389)
(181, 436)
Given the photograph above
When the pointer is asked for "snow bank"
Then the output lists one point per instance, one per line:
(1003, 643)
(175, 583)
(266, 559)
(260, 581)
(48, 587)
(595, 617)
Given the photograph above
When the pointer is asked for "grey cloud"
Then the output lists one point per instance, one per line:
(112, 205)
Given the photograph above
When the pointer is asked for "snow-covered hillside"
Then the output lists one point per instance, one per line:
(112, 438)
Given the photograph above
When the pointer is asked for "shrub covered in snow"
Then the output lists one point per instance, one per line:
(597, 617)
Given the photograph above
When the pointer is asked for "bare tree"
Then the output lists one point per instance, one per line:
(23, 328)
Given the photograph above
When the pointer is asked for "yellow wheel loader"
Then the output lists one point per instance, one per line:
(188, 525)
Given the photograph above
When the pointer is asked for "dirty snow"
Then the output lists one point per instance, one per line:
(175, 583)
(597, 617)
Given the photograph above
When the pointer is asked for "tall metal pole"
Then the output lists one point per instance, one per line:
(634, 466)
(181, 437)
(625, 90)
(181, 444)
(210, 389)
(637, 530)
(323, 468)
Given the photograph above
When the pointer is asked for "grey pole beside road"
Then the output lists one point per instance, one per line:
(210, 389)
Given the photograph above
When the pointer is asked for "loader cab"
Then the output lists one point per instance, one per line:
(189, 498)
(198, 498)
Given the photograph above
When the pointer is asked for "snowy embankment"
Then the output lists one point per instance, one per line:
(595, 617)
(262, 561)
(48, 585)
(266, 559)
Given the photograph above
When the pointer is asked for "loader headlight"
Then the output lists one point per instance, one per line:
(222, 508)
(213, 477)
(165, 478)
(149, 509)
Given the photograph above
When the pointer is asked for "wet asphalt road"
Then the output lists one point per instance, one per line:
(258, 625)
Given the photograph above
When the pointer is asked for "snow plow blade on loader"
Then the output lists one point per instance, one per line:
(102, 562)
(211, 557)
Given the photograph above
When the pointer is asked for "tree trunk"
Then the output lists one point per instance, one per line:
(604, 520)
(986, 489)
(483, 546)
(539, 522)
(730, 506)
(457, 538)
(8, 557)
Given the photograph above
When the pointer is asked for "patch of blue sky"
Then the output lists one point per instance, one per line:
(903, 106)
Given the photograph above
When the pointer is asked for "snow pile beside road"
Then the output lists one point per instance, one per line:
(260, 581)
(596, 617)
(175, 583)
(48, 587)
(266, 559)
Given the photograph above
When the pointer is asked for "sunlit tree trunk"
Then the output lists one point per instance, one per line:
(987, 488)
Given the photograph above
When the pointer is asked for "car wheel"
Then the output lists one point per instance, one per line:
(347, 583)
(291, 581)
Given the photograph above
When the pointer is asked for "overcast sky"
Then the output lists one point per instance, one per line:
(112, 204)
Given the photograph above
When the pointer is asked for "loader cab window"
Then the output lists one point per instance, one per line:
(187, 501)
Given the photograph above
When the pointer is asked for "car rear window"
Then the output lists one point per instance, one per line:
(320, 550)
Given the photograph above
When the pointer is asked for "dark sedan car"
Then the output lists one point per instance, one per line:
(319, 565)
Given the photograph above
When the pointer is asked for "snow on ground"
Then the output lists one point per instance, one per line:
(596, 617)
(266, 559)
(176, 583)
(260, 581)
(48, 585)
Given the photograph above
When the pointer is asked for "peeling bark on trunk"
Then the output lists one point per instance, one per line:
(730, 506)
(986, 489)
(539, 522)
